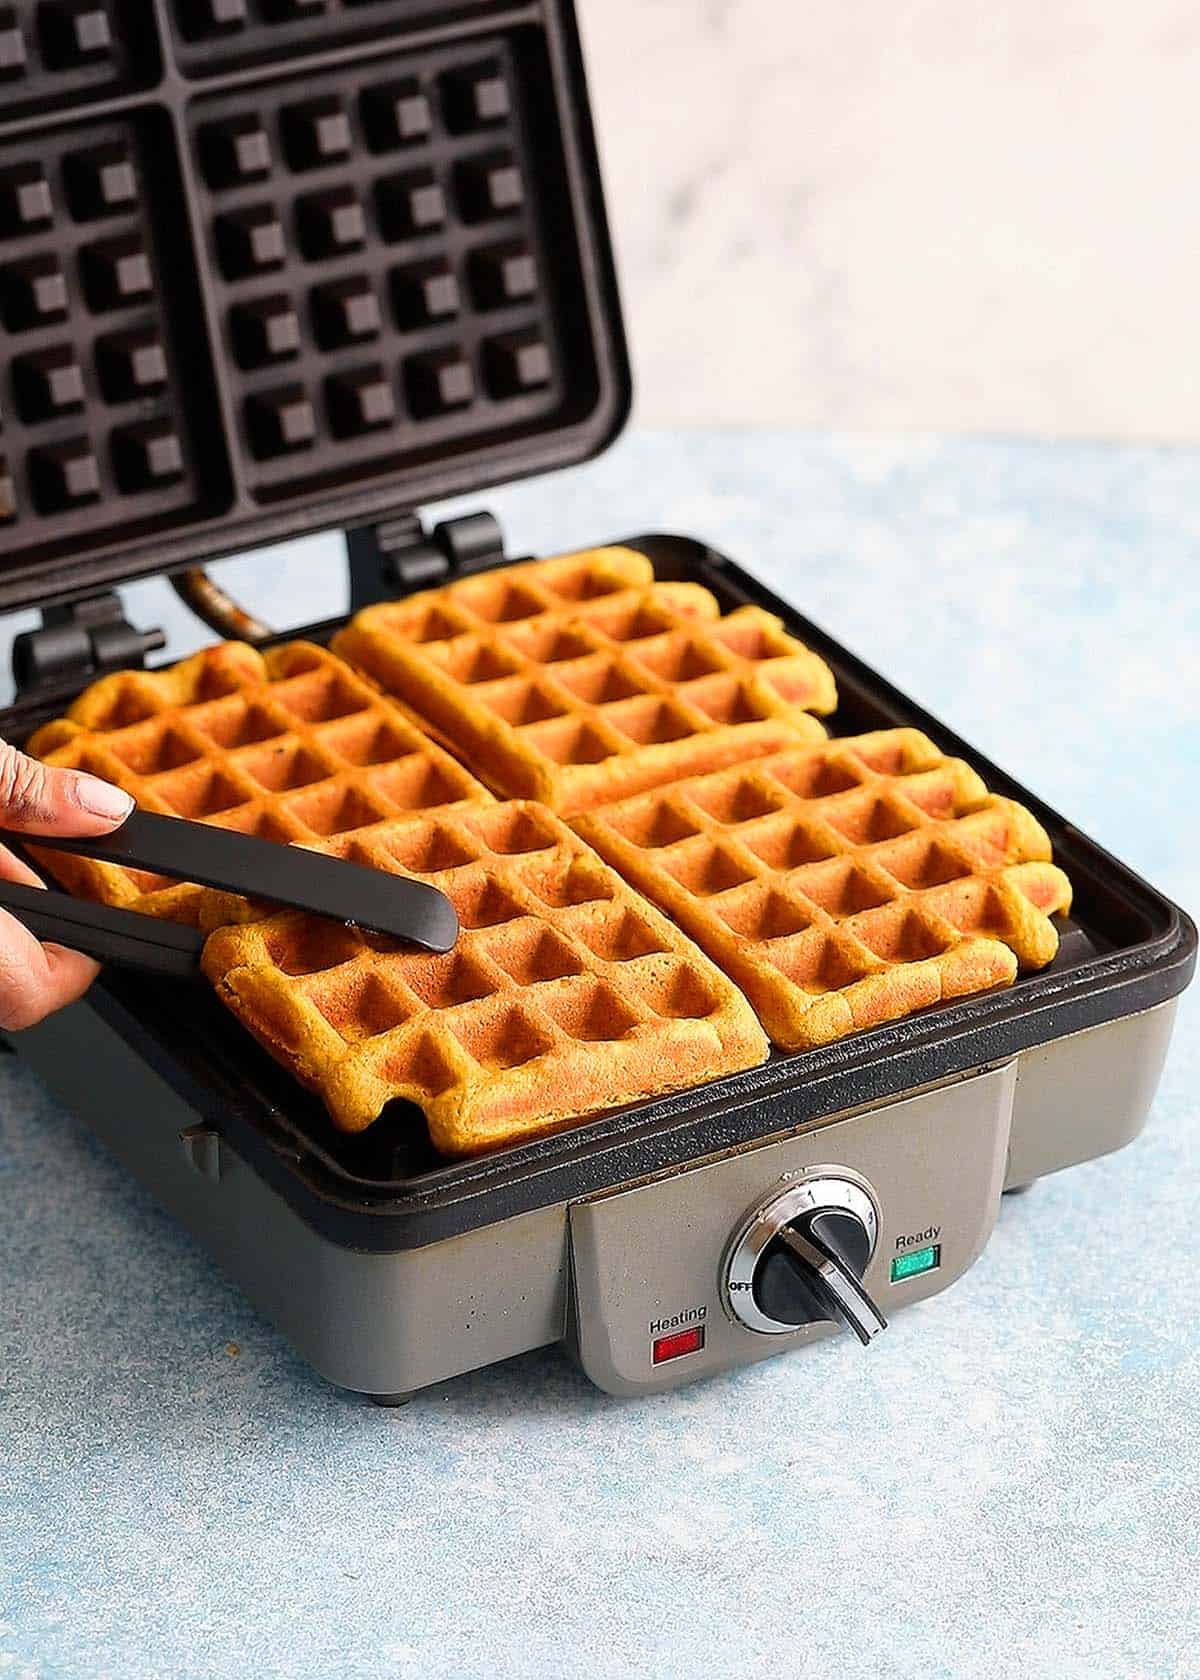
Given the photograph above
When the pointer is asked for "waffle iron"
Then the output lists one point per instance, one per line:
(274, 266)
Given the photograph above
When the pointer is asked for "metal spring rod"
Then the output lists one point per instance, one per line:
(216, 608)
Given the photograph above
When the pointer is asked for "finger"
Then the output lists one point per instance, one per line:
(13, 868)
(35, 980)
(71, 973)
(41, 799)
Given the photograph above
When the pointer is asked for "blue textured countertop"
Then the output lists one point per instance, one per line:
(1007, 1484)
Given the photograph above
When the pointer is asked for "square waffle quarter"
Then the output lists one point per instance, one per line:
(846, 884)
(103, 408)
(566, 993)
(579, 680)
(290, 746)
(380, 269)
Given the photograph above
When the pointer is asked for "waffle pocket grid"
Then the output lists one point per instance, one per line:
(65, 51)
(844, 885)
(565, 994)
(576, 679)
(91, 396)
(376, 268)
(293, 747)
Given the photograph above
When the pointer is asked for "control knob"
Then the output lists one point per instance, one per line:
(800, 1259)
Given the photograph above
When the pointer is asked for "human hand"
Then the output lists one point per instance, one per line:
(37, 979)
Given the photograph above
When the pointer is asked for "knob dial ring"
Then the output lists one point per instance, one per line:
(822, 1191)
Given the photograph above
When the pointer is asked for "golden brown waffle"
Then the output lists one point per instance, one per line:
(838, 883)
(580, 680)
(844, 885)
(565, 994)
(293, 746)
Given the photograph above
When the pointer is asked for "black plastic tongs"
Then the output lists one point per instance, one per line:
(217, 857)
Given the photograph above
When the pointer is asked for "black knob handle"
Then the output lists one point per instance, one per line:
(811, 1272)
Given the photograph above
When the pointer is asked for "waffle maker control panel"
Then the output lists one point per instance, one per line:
(695, 1271)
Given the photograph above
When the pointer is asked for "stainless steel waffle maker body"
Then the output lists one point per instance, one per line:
(267, 269)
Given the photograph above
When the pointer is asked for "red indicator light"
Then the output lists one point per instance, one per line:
(676, 1345)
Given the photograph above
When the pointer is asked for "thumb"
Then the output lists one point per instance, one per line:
(39, 799)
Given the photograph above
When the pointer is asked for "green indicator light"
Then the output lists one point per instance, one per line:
(917, 1261)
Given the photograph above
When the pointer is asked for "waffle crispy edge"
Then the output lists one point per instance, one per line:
(227, 727)
(579, 680)
(819, 932)
(567, 994)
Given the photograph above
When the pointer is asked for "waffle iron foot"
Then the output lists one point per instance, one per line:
(391, 1399)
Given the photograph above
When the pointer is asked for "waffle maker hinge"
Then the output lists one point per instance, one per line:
(77, 642)
(399, 555)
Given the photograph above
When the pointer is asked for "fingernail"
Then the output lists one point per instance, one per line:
(102, 799)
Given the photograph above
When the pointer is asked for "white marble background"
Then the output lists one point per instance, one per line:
(941, 214)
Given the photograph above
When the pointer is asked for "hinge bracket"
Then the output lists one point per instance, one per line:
(78, 642)
(399, 555)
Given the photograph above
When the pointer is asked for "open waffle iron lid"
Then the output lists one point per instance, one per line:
(274, 266)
